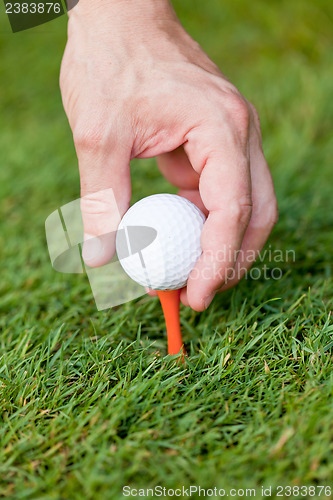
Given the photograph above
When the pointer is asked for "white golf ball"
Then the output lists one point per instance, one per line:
(158, 241)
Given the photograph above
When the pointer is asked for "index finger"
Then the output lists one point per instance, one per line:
(221, 158)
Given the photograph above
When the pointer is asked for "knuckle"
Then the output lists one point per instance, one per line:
(239, 111)
(255, 115)
(89, 136)
(256, 120)
(273, 213)
(240, 211)
(269, 215)
(99, 216)
(96, 203)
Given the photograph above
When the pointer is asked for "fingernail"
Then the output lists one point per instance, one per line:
(209, 300)
(92, 248)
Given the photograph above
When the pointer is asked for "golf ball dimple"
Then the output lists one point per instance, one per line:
(172, 247)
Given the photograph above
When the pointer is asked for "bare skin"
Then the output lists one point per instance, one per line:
(136, 85)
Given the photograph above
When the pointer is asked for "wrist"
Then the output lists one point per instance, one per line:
(127, 23)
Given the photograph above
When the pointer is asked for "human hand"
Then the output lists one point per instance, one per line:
(136, 85)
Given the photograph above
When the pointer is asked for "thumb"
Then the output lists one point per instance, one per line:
(105, 197)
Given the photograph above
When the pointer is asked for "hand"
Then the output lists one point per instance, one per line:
(136, 85)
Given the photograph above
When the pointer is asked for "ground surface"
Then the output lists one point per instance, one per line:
(89, 402)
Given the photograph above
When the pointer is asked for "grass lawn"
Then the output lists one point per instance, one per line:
(89, 401)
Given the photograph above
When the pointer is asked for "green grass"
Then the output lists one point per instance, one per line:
(89, 401)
